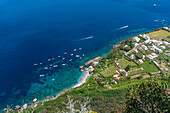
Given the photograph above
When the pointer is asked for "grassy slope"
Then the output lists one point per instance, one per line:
(149, 67)
(109, 72)
(158, 34)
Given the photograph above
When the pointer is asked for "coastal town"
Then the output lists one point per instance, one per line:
(131, 61)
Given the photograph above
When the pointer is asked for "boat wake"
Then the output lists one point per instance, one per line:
(122, 28)
(86, 38)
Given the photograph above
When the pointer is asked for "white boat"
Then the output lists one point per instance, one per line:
(80, 57)
(46, 67)
(52, 58)
(42, 75)
(77, 55)
(72, 54)
(49, 59)
(53, 79)
(70, 60)
(83, 54)
(55, 66)
(63, 64)
(154, 5)
(64, 58)
(80, 48)
(41, 63)
(59, 56)
(51, 64)
(35, 64)
(75, 49)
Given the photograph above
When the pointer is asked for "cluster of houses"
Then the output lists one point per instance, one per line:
(166, 28)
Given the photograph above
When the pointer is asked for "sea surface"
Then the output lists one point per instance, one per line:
(33, 31)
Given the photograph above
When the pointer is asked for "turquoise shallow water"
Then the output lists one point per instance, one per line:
(33, 31)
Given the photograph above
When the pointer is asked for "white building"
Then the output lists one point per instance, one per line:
(168, 54)
(144, 47)
(146, 37)
(136, 44)
(140, 61)
(166, 43)
(132, 56)
(156, 48)
(136, 39)
(163, 47)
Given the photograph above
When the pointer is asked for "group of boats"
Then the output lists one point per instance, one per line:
(53, 65)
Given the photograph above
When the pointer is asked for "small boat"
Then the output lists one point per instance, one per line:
(64, 58)
(40, 63)
(70, 60)
(83, 54)
(55, 66)
(80, 57)
(65, 53)
(53, 79)
(63, 64)
(35, 64)
(75, 49)
(80, 48)
(77, 55)
(46, 67)
(49, 59)
(42, 75)
(72, 54)
(51, 64)
(59, 56)
(52, 58)
(154, 5)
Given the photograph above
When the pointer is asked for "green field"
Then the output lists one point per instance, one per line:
(167, 38)
(136, 72)
(149, 67)
(158, 34)
(165, 56)
(109, 72)
(123, 63)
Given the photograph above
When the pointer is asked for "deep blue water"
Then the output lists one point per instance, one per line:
(32, 31)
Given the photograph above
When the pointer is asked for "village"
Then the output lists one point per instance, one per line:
(133, 60)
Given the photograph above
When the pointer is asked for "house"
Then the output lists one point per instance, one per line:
(136, 39)
(166, 43)
(115, 76)
(168, 54)
(144, 47)
(156, 48)
(126, 46)
(163, 47)
(132, 56)
(135, 44)
(158, 42)
(146, 37)
(143, 57)
(140, 61)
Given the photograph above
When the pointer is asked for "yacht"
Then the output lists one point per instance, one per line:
(64, 58)
(75, 49)
(65, 53)
(35, 64)
(72, 54)
(70, 60)
(46, 67)
(49, 59)
(42, 75)
(59, 56)
(63, 64)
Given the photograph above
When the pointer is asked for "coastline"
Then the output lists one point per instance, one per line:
(83, 80)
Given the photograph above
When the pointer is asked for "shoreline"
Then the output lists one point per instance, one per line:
(81, 82)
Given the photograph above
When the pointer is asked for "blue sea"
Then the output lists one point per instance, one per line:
(33, 31)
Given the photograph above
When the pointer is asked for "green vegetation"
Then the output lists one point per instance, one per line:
(148, 97)
(136, 72)
(149, 67)
(109, 71)
(158, 34)
(167, 38)
(165, 56)
(123, 63)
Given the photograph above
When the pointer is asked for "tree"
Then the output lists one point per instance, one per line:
(127, 68)
(148, 97)
(139, 55)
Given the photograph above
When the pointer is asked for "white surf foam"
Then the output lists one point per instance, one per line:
(86, 38)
